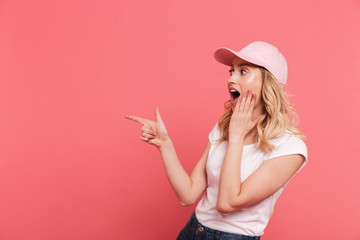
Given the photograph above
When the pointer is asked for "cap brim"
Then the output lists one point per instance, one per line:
(225, 55)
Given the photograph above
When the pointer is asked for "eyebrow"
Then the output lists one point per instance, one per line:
(240, 65)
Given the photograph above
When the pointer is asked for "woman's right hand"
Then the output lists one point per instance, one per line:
(153, 132)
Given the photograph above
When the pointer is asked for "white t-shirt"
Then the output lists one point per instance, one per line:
(252, 220)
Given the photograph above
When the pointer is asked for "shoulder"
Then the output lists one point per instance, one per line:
(286, 137)
(215, 133)
(288, 144)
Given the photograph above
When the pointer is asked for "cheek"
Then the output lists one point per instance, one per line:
(254, 84)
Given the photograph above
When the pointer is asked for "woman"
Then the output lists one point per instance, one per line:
(252, 152)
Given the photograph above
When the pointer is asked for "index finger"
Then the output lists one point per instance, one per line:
(137, 119)
(238, 103)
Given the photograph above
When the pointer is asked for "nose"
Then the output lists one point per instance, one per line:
(232, 79)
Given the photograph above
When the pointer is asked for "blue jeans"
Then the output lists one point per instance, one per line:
(194, 230)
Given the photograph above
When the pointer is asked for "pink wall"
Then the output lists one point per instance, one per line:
(72, 167)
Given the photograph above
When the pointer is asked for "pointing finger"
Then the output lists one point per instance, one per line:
(137, 119)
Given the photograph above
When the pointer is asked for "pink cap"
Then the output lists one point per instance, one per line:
(259, 53)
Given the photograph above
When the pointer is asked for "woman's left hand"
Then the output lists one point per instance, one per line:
(241, 120)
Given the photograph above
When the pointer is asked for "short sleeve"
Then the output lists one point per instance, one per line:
(287, 145)
(214, 134)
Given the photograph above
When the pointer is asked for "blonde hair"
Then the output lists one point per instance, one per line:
(279, 114)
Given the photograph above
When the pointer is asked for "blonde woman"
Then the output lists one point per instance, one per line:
(252, 153)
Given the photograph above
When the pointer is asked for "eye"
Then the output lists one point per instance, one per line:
(231, 71)
(242, 71)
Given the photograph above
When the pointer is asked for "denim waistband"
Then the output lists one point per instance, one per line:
(221, 235)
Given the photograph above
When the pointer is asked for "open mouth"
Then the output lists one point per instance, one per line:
(234, 94)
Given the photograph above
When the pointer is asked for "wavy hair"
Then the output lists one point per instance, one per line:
(279, 114)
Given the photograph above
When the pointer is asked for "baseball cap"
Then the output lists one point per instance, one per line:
(259, 53)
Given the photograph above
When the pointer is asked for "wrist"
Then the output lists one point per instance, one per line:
(166, 143)
(236, 143)
(239, 139)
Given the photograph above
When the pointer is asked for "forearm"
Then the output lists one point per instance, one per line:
(177, 176)
(230, 177)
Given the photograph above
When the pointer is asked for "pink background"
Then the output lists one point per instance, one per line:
(71, 165)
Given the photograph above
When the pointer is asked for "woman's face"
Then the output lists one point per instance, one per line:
(245, 76)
